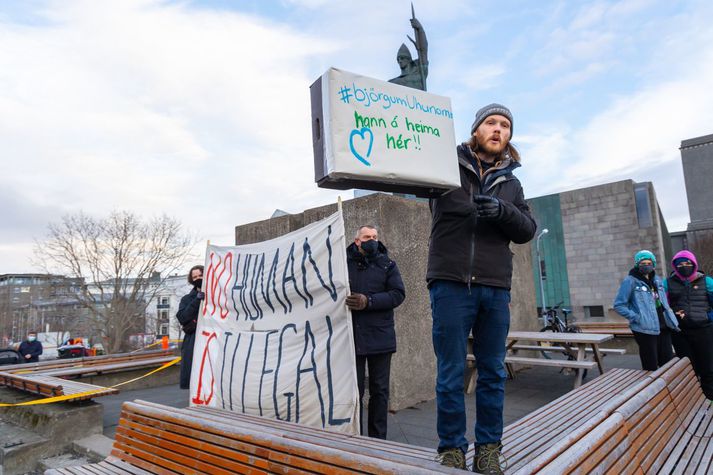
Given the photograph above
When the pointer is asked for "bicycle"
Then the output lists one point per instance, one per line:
(553, 323)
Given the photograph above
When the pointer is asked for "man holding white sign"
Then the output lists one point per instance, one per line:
(377, 288)
(469, 276)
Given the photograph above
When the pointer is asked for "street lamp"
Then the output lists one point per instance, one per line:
(539, 269)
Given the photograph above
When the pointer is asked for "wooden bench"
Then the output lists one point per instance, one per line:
(624, 422)
(620, 329)
(50, 386)
(560, 349)
(152, 438)
(52, 378)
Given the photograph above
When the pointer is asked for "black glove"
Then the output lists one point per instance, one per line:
(200, 295)
(487, 207)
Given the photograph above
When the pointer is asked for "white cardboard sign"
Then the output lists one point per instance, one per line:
(375, 132)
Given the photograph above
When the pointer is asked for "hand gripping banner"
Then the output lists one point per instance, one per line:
(274, 335)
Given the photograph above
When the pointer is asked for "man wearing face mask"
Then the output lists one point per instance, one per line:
(31, 349)
(642, 300)
(377, 289)
(690, 293)
(188, 318)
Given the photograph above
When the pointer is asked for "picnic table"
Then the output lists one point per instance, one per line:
(573, 344)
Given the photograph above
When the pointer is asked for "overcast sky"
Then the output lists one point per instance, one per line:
(200, 109)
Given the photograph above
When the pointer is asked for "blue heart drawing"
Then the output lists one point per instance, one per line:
(362, 134)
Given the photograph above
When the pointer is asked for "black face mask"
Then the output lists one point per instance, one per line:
(646, 269)
(370, 247)
(198, 284)
(685, 271)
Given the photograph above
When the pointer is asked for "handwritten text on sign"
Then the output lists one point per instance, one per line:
(273, 315)
(382, 132)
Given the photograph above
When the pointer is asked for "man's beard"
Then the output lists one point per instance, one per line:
(491, 149)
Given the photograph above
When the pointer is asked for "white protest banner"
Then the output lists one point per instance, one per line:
(378, 135)
(274, 335)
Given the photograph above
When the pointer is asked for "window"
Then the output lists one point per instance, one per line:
(163, 314)
(164, 300)
(593, 311)
(163, 329)
(643, 206)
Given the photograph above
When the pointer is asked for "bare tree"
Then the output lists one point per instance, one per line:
(125, 261)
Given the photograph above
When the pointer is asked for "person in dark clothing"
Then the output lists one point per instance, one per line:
(377, 289)
(469, 277)
(188, 318)
(31, 349)
(690, 293)
(642, 300)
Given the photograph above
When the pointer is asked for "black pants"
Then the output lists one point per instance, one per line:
(654, 350)
(697, 345)
(379, 370)
(187, 360)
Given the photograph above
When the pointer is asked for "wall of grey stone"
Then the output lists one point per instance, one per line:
(602, 234)
(697, 158)
(404, 227)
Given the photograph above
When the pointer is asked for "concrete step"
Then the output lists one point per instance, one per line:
(62, 461)
(95, 447)
(20, 449)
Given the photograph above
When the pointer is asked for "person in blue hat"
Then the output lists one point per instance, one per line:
(642, 300)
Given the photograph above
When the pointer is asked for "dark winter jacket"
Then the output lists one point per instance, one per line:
(32, 348)
(188, 311)
(694, 296)
(379, 279)
(465, 249)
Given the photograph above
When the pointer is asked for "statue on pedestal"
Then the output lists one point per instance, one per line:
(413, 71)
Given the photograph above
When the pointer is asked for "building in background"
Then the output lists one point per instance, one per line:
(593, 235)
(40, 303)
(161, 311)
(697, 160)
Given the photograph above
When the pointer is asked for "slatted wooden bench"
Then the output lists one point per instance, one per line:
(620, 329)
(49, 386)
(624, 422)
(152, 438)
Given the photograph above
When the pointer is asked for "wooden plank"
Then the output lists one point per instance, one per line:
(295, 446)
(586, 338)
(555, 348)
(553, 363)
(197, 454)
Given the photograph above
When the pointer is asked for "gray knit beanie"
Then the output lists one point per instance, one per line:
(492, 109)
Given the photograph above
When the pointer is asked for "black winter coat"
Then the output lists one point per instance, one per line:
(188, 311)
(465, 249)
(379, 279)
(32, 348)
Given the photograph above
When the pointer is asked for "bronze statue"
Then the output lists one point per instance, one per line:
(413, 72)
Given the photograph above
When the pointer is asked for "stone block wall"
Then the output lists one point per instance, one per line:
(602, 234)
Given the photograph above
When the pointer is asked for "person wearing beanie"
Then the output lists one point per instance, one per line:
(469, 277)
(690, 293)
(642, 300)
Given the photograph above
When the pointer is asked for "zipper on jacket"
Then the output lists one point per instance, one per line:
(472, 239)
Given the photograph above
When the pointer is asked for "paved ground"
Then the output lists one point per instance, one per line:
(531, 389)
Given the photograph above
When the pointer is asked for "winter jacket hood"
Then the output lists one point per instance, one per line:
(691, 257)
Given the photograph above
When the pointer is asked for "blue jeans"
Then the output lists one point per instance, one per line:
(457, 310)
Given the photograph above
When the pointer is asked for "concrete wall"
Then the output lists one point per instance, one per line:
(602, 234)
(697, 158)
(404, 227)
